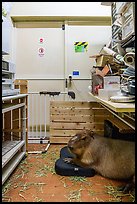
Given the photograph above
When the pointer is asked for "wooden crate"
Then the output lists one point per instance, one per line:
(22, 85)
(68, 117)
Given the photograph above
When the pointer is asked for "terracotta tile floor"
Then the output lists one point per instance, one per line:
(35, 180)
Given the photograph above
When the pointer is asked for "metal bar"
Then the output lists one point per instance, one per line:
(32, 113)
(40, 115)
(40, 152)
(28, 113)
(51, 79)
(37, 113)
(23, 110)
(45, 114)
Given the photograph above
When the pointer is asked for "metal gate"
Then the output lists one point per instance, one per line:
(37, 114)
(37, 118)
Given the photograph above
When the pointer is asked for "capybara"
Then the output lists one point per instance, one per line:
(111, 158)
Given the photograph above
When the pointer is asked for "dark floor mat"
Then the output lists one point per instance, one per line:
(65, 169)
(64, 152)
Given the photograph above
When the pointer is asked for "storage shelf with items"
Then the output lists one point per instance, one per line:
(128, 19)
(123, 23)
(116, 26)
(14, 133)
(121, 100)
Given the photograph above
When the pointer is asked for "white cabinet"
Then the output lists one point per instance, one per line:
(14, 133)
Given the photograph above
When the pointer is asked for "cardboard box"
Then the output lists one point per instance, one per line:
(111, 82)
(103, 59)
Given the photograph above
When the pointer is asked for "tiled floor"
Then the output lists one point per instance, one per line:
(35, 180)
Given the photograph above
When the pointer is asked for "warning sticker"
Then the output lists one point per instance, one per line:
(81, 46)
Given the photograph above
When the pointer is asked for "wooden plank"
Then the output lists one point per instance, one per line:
(76, 126)
(7, 124)
(16, 118)
(8, 169)
(123, 128)
(70, 133)
(23, 86)
(62, 132)
(101, 118)
(73, 104)
(11, 150)
(73, 118)
(21, 82)
(8, 145)
(117, 107)
(59, 140)
(58, 111)
(100, 111)
(12, 130)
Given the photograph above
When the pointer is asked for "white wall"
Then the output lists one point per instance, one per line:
(95, 36)
(60, 9)
(56, 9)
(29, 63)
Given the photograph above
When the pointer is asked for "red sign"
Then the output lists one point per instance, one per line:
(41, 40)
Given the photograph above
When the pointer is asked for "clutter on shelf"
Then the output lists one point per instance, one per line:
(119, 72)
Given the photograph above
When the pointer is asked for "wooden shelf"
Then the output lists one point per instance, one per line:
(11, 148)
(123, 128)
(13, 107)
(7, 98)
(9, 107)
(117, 107)
(11, 165)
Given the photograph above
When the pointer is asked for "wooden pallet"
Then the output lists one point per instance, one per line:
(69, 117)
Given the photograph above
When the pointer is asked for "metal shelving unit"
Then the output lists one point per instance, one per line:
(124, 13)
(13, 148)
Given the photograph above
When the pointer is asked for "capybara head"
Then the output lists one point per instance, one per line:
(80, 141)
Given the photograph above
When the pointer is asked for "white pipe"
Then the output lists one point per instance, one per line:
(114, 54)
(109, 51)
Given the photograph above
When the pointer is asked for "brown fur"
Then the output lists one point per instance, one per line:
(109, 157)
